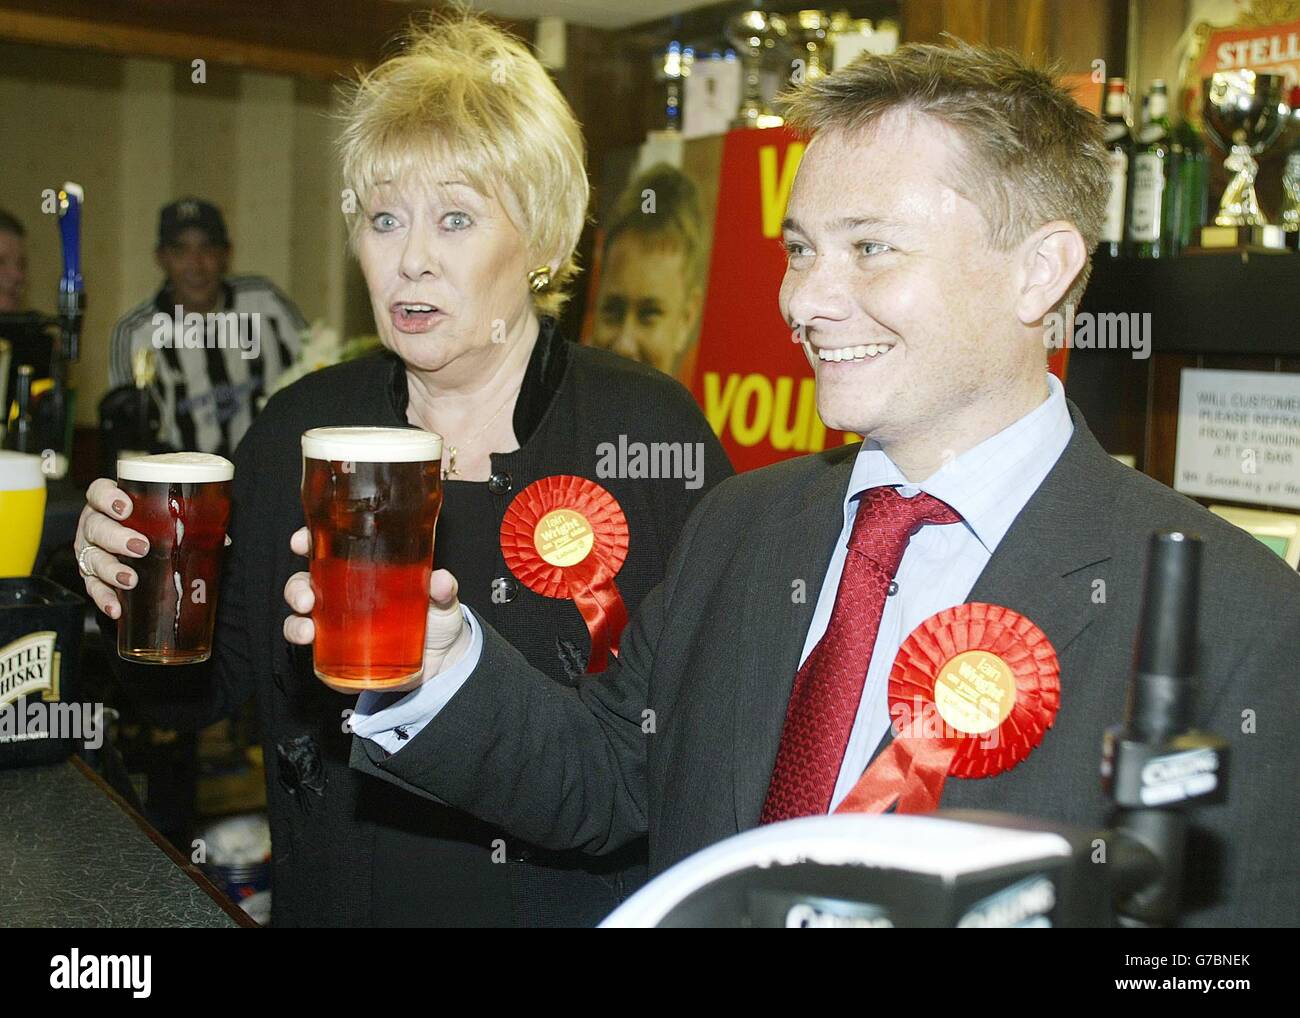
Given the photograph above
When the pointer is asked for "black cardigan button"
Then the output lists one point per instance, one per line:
(499, 483)
(504, 590)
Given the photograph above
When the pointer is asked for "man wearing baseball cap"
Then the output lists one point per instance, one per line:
(218, 341)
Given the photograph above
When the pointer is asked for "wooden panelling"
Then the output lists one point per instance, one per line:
(129, 40)
(300, 37)
(1078, 34)
(967, 19)
(1161, 23)
(1162, 414)
(1020, 25)
(1073, 33)
(921, 21)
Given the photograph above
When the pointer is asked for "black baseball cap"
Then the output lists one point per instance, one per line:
(191, 212)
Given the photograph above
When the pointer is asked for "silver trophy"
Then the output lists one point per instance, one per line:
(756, 35)
(1244, 113)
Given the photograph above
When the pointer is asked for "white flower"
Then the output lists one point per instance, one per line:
(321, 347)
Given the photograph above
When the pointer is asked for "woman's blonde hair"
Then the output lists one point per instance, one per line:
(464, 94)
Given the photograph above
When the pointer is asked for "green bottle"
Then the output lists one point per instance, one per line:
(1190, 205)
(1151, 181)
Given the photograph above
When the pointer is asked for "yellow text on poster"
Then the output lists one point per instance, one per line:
(753, 407)
(775, 187)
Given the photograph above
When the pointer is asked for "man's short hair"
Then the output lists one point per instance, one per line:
(467, 96)
(9, 223)
(675, 218)
(1036, 154)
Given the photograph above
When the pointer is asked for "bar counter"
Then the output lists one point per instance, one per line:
(74, 854)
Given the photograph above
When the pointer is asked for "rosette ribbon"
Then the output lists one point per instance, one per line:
(566, 537)
(972, 692)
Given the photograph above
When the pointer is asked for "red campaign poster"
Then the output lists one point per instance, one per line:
(751, 378)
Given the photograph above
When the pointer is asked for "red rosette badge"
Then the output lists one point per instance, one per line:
(971, 694)
(566, 537)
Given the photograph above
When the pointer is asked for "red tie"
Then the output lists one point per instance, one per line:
(828, 688)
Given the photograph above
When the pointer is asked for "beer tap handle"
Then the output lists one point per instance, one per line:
(72, 290)
(1155, 766)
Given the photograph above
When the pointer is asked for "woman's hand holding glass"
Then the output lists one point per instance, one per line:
(102, 541)
(447, 634)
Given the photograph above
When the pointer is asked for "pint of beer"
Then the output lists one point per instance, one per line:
(371, 497)
(181, 503)
(22, 512)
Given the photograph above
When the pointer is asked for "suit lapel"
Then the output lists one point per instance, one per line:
(1053, 565)
(791, 546)
(1048, 565)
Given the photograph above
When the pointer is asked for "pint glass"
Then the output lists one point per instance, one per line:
(371, 498)
(22, 511)
(181, 503)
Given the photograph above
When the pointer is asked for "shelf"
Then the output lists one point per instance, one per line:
(1229, 303)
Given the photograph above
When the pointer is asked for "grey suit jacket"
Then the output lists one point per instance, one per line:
(678, 738)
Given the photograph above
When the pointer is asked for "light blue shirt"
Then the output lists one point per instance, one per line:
(988, 485)
(392, 719)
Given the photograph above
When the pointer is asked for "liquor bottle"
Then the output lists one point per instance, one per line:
(1190, 171)
(1148, 190)
(1119, 148)
(22, 436)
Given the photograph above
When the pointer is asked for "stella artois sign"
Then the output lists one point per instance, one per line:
(1266, 39)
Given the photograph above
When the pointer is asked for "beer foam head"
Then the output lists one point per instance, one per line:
(175, 468)
(20, 471)
(372, 445)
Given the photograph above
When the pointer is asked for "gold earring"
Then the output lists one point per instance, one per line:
(539, 279)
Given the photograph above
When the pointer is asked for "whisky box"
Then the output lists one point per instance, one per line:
(42, 716)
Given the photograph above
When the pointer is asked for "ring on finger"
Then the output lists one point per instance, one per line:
(82, 567)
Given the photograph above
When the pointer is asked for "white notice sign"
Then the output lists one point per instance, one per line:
(1239, 436)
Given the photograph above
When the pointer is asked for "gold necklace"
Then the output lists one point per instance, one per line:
(450, 470)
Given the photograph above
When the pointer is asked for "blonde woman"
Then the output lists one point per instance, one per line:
(467, 166)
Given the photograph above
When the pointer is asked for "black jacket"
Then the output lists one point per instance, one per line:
(349, 850)
(714, 653)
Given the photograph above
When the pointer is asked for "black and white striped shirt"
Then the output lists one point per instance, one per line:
(207, 383)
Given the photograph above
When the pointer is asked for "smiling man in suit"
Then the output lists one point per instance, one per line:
(945, 207)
